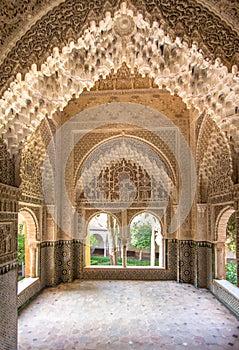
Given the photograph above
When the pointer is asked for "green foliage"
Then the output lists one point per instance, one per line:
(20, 228)
(21, 248)
(101, 260)
(93, 241)
(141, 236)
(133, 262)
(231, 272)
(231, 233)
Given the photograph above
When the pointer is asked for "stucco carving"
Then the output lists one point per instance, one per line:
(216, 168)
(6, 239)
(30, 170)
(71, 15)
(115, 173)
(18, 15)
(169, 63)
(229, 10)
(6, 165)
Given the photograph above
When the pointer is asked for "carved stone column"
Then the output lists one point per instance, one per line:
(152, 252)
(220, 261)
(125, 237)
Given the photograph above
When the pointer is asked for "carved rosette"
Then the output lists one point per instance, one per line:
(124, 25)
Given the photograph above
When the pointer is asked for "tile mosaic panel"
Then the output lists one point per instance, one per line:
(187, 255)
(47, 271)
(63, 261)
(204, 262)
(77, 259)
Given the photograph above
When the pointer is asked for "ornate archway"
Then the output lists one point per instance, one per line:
(73, 55)
(28, 219)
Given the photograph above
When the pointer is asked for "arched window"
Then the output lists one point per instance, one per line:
(144, 245)
(27, 244)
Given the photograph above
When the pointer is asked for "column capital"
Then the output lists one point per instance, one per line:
(201, 208)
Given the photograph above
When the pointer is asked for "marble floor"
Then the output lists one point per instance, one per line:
(110, 315)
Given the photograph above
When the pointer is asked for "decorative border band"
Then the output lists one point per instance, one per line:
(8, 267)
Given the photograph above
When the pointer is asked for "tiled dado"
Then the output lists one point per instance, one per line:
(186, 261)
(78, 259)
(47, 264)
(195, 263)
(64, 261)
(204, 264)
(61, 261)
(118, 273)
(8, 267)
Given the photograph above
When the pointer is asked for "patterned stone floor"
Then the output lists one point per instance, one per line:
(110, 315)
